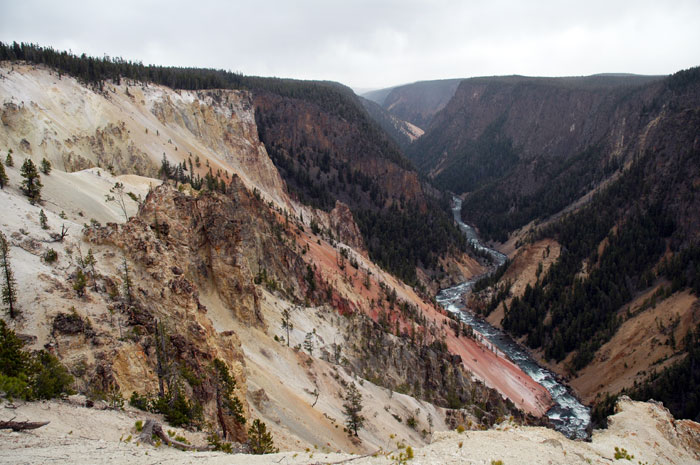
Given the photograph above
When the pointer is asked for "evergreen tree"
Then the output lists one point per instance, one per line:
(352, 408)
(260, 439)
(309, 343)
(127, 281)
(43, 220)
(226, 402)
(9, 285)
(80, 282)
(287, 322)
(9, 161)
(89, 263)
(45, 166)
(4, 180)
(31, 186)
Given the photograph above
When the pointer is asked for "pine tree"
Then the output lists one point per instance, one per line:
(89, 263)
(31, 186)
(4, 180)
(287, 322)
(43, 220)
(309, 343)
(9, 161)
(127, 281)
(45, 166)
(260, 439)
(80, 282)
(9, 285)
(226, 402)
(352, 408)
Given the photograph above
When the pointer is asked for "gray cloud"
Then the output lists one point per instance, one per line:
(373, 43)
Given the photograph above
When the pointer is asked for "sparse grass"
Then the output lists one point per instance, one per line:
(621, 453)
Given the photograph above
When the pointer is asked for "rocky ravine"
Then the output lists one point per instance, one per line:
(218, 270)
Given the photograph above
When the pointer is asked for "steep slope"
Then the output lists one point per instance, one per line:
(129, 128)
(416, 103)
(327, 149)
(185, 276)
(401, 131)
(369, 180)
(624, 289)
(528, 147)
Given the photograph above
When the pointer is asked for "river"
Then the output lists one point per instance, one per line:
(567, 415)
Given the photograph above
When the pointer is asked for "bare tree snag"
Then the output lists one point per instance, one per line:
(153, 428)
(22, 425)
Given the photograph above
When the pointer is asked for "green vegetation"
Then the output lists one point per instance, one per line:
(260, 440)
(45, 166)
(31, 186)
(226, 401)
(4, 180)
(9, 284)
(352, 408)
(399, 240)
(174, 405)
(43, 220)
(490, 157)
(621, 453)
(50, 256)
(29, 376)
(80, 282)
(675, 385)
(497, 211)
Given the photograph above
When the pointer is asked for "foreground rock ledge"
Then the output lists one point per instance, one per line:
(79, 435)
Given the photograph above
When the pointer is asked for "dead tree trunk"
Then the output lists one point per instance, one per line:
(152, 428)
(22, 425)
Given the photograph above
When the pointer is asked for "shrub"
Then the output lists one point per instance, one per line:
(218, 444)
(29, 376)
(50, 256)
(51, 379)
(138, 401)
(14, 388)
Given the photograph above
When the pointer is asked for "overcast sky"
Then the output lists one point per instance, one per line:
(372, 44)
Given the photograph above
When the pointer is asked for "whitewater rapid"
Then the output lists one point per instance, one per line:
(568, 415)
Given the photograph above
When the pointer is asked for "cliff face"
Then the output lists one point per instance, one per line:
(625, 211)
(128, 129)
(324, 156)
(516, 125)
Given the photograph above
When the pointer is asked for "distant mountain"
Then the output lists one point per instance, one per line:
(543, 141)
(416, 103)
(402, 132)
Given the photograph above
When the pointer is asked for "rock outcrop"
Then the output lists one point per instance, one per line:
(344, 227)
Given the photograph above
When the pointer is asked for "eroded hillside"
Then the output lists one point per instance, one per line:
(182, 277)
